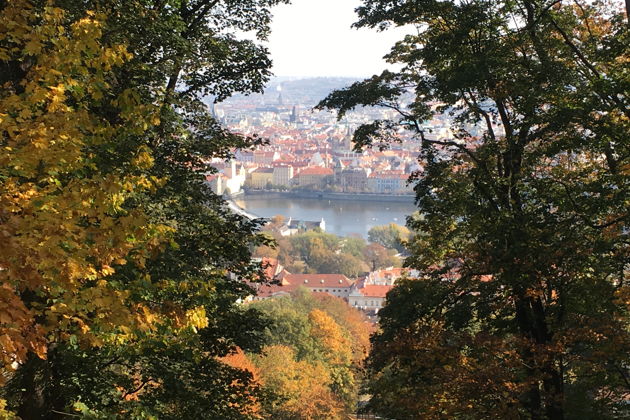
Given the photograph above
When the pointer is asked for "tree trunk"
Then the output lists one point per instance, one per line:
(531, 321)
(33, 405)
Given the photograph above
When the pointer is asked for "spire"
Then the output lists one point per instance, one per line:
(347, 140)
(295, 114)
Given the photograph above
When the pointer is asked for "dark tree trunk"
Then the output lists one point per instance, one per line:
(530, 318)
(33, 404)
(39, 383)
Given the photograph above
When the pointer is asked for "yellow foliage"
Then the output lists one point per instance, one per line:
(303, 386)
(196, 318)
(4, 414)
(63, 225)
(328, 332)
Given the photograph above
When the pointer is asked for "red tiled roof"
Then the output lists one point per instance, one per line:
(374, 290)
(316, 170)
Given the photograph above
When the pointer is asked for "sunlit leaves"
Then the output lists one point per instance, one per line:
(65, 225)
(313, 358)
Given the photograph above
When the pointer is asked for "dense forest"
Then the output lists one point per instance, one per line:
(122, 274)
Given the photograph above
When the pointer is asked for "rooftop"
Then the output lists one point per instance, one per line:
(316, 170)
(319, 280)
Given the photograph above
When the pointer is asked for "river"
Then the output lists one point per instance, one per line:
(342, 217)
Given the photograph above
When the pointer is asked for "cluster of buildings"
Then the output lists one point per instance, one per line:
(365, 293)
(313, 150)
(310, 150)
(315, 167)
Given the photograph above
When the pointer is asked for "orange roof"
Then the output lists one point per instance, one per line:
(316, 170)
(374, 290)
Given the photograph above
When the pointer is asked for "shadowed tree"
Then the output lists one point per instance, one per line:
(519, 311)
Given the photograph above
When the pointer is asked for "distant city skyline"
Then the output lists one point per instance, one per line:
(314, 38)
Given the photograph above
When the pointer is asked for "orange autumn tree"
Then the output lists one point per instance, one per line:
(312, 363)
(64, 219)
(302, 388)
(240, 361)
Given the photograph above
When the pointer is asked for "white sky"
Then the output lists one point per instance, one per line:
(314, 38)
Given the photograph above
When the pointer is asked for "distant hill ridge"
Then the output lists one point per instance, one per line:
(301, 90)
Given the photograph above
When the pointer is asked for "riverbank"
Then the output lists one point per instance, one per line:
(343, 217)
(386, 198)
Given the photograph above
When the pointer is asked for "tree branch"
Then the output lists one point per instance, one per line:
(138, 389)
(583, 217)
(582, 58)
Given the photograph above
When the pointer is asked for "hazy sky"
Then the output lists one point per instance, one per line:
(314, 38)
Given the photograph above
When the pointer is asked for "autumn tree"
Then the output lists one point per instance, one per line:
(342, 263)
(321, 252)
(66, 217)
(377, 256)
(390, 236)
(317, 333)
(521, 306)
(121, 270)
(353, 245)
(301, 388)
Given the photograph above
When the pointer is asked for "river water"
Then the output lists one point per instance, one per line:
(342, 217)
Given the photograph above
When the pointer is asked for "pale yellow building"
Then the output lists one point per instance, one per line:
(313, 176)
(261, 177)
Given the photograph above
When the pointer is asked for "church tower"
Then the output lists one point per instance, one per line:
(295, 115)
(347, 139)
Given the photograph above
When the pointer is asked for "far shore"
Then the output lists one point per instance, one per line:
(324, 195)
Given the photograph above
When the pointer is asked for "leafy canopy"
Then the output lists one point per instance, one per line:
(523, 241)
(121, 270)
